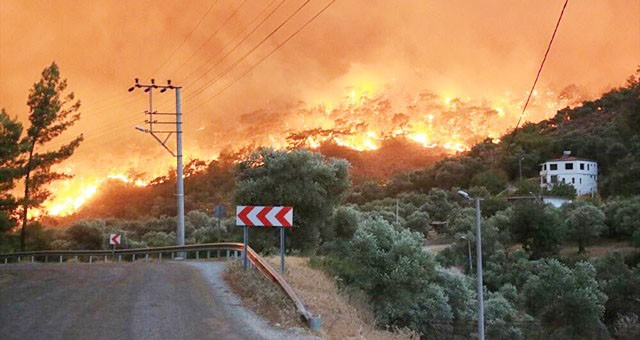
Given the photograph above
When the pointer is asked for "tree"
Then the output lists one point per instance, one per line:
(10, 131)
(494, 181)
(312, 184)
(50, 114)
(584, 224)
(621, 284)
(539, 228)
(567, 301)
(399, 277)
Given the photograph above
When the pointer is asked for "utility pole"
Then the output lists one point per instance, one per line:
(167, 133)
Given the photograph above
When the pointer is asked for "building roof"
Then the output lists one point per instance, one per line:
(569, 159)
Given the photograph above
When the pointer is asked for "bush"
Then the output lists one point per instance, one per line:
(405, 286)
(567, 301)
(159, 239)
(89, 235)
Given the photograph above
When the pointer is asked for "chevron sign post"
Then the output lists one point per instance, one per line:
(253, 216)
(258, 216)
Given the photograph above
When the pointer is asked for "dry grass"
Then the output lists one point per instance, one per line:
(262, 296)
(342, 317)
(600, 248)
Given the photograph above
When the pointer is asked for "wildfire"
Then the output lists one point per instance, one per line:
(366, 116)
(71, 195)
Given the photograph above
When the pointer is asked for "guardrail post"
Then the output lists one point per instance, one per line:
(227, 253)
(133, 259)
(46, 259)
(18, 259)
(76, 257)
(197, 255)
(208, 254)
(315, 323)
(160, 256)
(146, 257)
(5, 260)
(60, 258)
(173, 255)
(105, 258)
(90, 259)
(119, 258)
(218, 253)
(32, 259)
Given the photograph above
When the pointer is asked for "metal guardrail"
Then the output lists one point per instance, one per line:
(122, 254)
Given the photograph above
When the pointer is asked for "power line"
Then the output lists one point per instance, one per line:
(266, 56)
(186, 38)
(555, 30)
(241, 59)
(210, 37)
(237, 44)
(231, 41)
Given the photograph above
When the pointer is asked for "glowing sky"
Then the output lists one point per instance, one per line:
(484, 50)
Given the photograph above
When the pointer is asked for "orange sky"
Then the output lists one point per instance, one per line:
(484, 51)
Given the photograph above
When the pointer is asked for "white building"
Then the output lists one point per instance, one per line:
(581, 173)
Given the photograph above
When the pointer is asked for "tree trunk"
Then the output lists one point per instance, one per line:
(25, 202)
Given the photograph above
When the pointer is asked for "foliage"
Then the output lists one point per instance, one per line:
(584, 224)
(159, 239)
(307, 181)
(564, 190)
(494, 180)
(344, 222)
(623, 216)
(400, 279)
(503, 318)
(539, 228)
(621, 284)
(51, 112)
(87, 234)
(567, 301)
(10, 131)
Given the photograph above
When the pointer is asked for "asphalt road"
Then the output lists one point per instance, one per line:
(114, 301)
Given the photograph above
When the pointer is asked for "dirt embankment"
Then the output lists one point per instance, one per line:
(343, 316)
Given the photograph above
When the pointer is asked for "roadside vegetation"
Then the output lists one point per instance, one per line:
(541, 278)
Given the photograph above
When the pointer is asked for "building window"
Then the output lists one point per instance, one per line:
(580, 180)
(544, 167)
(553, 167)
(588, 166)
(581, 166)
(573, 180)
(568, 166)
(554, 179)
(563, 181)
(544, 180)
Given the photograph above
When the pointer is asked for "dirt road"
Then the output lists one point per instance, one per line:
(116, 301)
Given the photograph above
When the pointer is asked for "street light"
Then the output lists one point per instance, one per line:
(478, 265)
(140, 128)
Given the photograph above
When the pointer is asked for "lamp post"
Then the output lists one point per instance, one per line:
(478, 265)
(520, 167)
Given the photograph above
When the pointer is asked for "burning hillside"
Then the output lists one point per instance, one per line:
(380, 135)
(436, 74)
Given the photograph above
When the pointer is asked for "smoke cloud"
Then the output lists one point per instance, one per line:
(435, 71)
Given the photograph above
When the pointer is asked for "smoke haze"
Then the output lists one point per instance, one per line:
(455, 71)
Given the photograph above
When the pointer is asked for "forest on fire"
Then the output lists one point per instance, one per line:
(569, 272)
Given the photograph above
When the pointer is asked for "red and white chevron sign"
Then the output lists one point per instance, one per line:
(253, 216)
